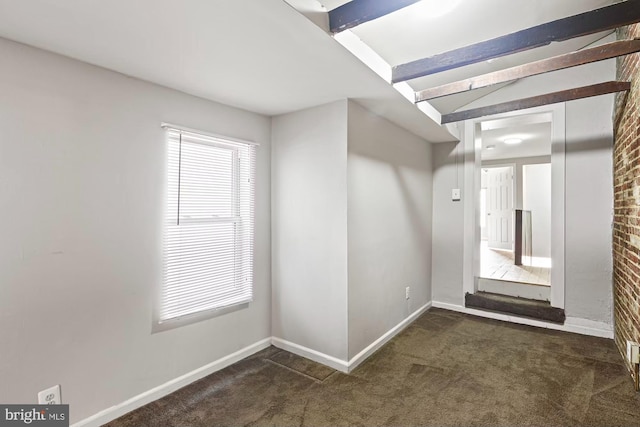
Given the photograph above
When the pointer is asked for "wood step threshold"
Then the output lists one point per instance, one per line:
(522, 307)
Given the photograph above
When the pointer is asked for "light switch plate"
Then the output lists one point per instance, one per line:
(455, 194)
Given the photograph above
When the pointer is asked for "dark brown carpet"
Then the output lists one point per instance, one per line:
(446, 369)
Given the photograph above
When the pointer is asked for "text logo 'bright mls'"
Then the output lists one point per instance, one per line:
(34, 415)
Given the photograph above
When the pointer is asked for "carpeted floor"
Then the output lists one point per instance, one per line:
(446, 369)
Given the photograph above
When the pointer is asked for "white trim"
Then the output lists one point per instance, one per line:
(368, 351)
(589, 327)
(471, 210)
(369, 57)
(575, 325)
(364, 53)
(156, 393)
(162, 390)
(343, 365)
(169, 126)
(572, 324)
(316, 356)
(558, 200)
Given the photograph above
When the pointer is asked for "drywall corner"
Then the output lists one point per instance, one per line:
(309, 228)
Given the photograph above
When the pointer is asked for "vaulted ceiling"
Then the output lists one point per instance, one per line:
(276, 56)
(430, 27)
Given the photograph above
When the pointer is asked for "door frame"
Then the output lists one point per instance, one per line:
(472, 142)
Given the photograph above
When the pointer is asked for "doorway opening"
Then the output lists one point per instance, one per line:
(518, 209)
(515, 222)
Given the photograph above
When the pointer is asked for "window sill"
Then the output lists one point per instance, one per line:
(178, 322)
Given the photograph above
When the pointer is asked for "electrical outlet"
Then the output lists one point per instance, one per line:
(50, 396)
(633, 352)
(407, 292)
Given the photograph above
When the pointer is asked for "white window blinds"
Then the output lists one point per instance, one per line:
(209, 230)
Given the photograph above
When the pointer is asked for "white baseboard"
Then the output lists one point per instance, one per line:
(362, 356)
(589, 327)
(316, 356)
(343, 365)
(572, 324)
(156, 393)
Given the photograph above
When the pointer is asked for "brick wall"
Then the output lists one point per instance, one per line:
(626, 172)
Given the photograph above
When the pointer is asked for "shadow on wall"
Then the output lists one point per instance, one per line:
(417, 222)
(400, 163)
(456, 154)
(597, 144)
(406, 158)
(396, 155)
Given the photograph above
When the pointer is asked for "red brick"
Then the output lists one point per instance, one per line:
(626, 158)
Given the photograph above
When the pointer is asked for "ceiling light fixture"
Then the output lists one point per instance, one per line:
(512, 141)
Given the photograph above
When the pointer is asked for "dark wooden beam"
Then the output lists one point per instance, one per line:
(524, 307)
(537, 101)
(606, 18)
(357, 12)
(586, 56)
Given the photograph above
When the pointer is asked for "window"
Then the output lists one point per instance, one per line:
(209, 229)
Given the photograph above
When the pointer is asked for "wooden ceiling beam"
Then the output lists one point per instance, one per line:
(594, 21)
(537, 101)
(573, 59)
(357, 12)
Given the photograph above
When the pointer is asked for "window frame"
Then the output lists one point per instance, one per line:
(160, 324)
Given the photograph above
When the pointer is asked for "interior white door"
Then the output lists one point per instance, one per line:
(500, 207)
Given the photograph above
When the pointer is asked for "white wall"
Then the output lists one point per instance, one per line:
(309, 211)
(589, 207)
(588, 201)
(351, 215)
(448, 220)
(536, 184)
(389, 225)
(82, 160)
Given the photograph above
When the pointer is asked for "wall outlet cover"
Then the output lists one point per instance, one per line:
(50, 396)
(633, 352)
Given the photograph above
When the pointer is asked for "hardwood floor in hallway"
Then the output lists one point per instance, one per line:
(498, 264)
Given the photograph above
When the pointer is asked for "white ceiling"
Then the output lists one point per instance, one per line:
(265, 56)
(536, 141)
(259, 55)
